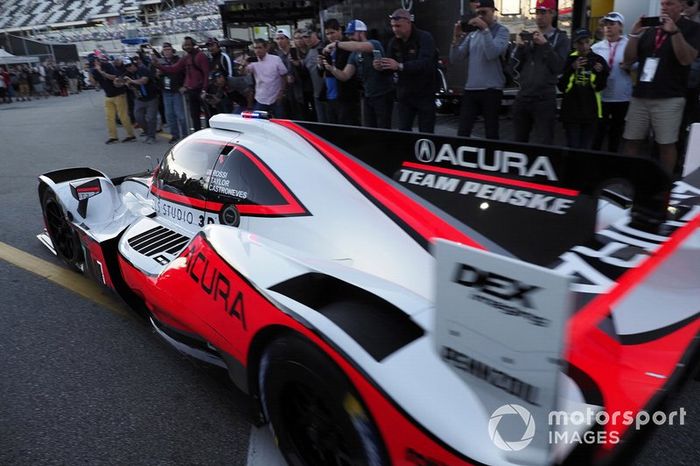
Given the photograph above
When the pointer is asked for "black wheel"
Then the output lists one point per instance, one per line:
(64, 238)
(316, 415)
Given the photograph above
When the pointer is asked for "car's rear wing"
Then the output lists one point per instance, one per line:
(534, 201)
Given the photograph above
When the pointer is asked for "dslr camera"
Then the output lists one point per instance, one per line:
(526, 36)
(464, 22)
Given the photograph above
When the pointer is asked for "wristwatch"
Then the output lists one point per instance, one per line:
(400, 66)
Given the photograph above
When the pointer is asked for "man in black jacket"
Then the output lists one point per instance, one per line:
(413, 59)
(538, 61)
(111, 83)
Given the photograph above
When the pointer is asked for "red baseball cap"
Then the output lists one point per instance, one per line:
(546, 5)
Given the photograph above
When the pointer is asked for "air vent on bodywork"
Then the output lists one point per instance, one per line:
(375, 324)
(158, 240)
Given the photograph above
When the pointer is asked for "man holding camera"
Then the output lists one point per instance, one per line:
(342, 97)
(377, 85)
(585, 76)
(141, 83)
(108, 76)
(314, 48)
(537, 63)
(665, 47)
(412, 56)
(481, 42)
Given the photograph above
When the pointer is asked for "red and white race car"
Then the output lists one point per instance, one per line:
(395, 298)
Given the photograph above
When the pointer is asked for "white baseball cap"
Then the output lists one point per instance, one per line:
(614, 16)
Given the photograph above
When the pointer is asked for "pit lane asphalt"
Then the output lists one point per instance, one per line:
(80, 384)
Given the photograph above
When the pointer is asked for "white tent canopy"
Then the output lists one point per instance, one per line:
(6, 58)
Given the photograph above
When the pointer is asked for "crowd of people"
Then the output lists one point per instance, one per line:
(25, 82)
(345, 75)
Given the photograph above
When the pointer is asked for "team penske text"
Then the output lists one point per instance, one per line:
(488, 192)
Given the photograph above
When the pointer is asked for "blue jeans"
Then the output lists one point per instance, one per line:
(175, 114)
(146, 113)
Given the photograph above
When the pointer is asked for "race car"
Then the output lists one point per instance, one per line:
(390, 297)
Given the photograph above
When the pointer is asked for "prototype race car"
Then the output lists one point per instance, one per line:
(391, 297)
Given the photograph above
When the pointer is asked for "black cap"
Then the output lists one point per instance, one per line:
(487, 4)
(582, 33)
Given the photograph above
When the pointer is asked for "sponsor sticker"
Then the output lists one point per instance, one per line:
(500, 327)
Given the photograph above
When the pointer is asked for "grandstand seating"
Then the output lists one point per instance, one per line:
(32, 14)
(37, 16)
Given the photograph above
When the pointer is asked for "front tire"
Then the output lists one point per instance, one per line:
(64, 238)
(317, 417)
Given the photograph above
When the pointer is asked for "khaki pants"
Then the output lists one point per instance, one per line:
(117, 106)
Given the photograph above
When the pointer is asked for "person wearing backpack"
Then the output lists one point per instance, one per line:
(481, 48)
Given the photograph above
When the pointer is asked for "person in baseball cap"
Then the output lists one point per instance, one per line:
(614, 17)
(616, 95)
(355, 26)
(401, 14)
(581, 34)
(550, 5)
(539, 63)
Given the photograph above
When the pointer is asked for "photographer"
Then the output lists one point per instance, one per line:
(141, 82)
(115, 99)
(412, 56)
(585, 75)
(311, 63)
(171, 86)
(343, 97)
(537, 63)
(377, 86)
(665, 47)
(218, 96)
(481, 42)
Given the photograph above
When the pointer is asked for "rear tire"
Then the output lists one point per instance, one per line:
(316, 415)
(64, 238)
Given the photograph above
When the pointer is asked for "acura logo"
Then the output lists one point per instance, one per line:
(425, 150)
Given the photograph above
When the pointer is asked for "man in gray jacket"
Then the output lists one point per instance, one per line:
(538, 61)
(482, 49)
